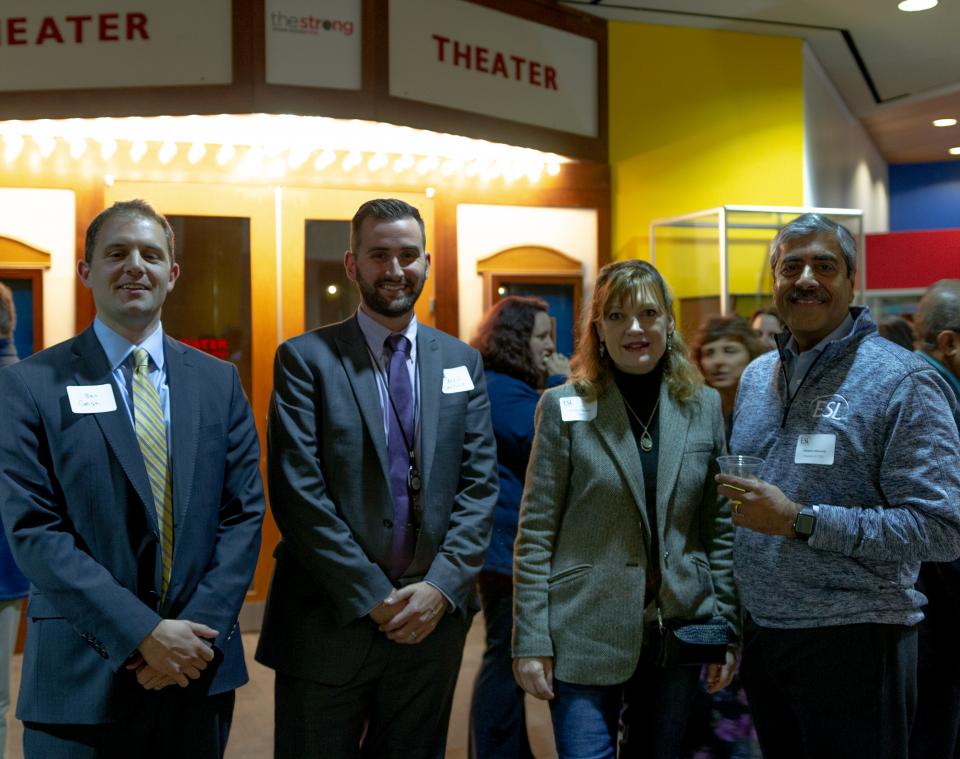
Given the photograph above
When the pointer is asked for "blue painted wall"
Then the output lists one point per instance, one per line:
(925, 196)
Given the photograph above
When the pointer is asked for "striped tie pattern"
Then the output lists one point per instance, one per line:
(152, 438)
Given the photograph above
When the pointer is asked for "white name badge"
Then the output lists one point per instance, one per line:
(91, 399)
(815, 449)
(456, 380)
(576, 409)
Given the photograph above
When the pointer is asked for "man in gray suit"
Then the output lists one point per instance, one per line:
(382, 473)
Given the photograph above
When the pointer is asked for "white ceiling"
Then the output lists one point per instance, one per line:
(890, 67)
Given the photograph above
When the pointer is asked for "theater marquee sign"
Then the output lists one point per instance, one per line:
(53, 45)
(461, 55)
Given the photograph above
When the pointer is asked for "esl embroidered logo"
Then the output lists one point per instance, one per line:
(831, 407)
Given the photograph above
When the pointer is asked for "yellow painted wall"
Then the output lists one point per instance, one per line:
(698, 119)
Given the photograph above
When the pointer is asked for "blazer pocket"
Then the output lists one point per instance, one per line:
(570, 573)
(40, 608)
(698, 446)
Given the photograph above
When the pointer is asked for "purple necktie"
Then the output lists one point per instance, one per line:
(399, 445)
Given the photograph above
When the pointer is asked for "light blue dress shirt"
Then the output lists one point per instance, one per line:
(118, 350)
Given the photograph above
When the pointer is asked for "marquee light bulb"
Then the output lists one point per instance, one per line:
(13, 146)
(45, 144)
(225, 154)
(168, 152)
(78, 146)
(325, 159)
(196, 153)
(137, 151)
(108, 148)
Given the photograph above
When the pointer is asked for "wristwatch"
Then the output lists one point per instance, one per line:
(806, 522)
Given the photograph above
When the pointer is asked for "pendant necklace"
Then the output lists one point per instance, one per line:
(646, 440)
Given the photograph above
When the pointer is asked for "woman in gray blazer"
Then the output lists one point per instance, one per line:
(621, 532)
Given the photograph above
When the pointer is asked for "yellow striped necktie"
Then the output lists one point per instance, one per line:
(152, 438)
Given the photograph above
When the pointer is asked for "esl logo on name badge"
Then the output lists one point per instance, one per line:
(815, 449)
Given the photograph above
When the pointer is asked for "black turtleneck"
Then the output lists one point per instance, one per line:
(640, 393)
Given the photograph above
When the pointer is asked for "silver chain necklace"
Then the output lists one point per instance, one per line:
(646, 440)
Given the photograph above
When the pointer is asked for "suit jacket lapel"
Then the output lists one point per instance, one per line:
(360, 372)
(431, 373)
(184, 429)
(614, 428)
(674, 424)
(91, 368)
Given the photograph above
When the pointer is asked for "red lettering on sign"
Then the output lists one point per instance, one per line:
(78, 22)
(16, 31)
(534, 69)
(49, 30)
(137, 26)
(549, 77)
(494, 62)
(461, 54)
(41, 30)
(109, 27)
(215, 346)
(481, 60)
(441, 46)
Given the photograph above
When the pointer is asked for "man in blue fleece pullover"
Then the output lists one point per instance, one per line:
(861, 482)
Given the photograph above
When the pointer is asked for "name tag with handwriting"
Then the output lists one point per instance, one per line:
(91, 399)
(576, 409)
(456, 380)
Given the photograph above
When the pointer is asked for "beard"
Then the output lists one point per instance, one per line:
(389, 307)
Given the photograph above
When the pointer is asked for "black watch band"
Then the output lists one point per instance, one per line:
(806, 522)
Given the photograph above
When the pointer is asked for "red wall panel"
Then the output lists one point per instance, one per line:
(901, 260)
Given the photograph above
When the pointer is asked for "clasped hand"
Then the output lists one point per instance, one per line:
(175, 652)
(758, 505)
(410, 614)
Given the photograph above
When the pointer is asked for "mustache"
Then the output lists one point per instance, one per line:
(799, 293)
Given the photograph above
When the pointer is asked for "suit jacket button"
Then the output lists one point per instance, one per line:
(387, 523)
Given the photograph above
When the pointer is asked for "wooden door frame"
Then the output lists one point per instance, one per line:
(36, 278)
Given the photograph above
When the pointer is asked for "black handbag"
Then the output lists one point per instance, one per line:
(684, 643)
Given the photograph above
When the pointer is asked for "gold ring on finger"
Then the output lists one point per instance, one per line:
(736, 507)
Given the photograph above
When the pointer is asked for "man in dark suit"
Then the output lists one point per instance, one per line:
(131, 495)
(382, 474)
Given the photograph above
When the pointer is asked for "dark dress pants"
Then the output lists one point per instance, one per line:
(165, 725)
(498, 725)
(397, 706)
(831, 692)
(937, 726)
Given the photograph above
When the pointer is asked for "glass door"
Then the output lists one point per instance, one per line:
(225, 302)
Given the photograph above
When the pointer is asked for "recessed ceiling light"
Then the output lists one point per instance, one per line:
(916, 5)
(955, 151)
(944, 122)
